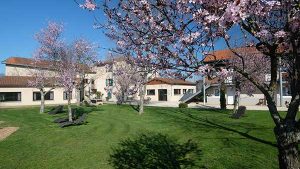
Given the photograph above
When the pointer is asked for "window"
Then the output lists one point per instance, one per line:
(151, 92)
(109, 82)
(92, 81)
(177, 91)
(109, 95)
(48, 96)
(217, 92)
(228, 79)
(10, 96)
(267, 77)
(286, 91)
(184, 91)
(66, 96)
(85, 80)
(190, 91)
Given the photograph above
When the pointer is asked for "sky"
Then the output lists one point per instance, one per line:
(20, 20)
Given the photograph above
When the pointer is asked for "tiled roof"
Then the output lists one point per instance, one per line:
(25, 62)
(170, 81)
(28, 62)
(228, 54)
(15, 81)
(22, 81)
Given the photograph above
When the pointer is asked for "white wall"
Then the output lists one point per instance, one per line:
(100, 81)
(245, 99)
(170, 91)
(22, 71)
(27, 97)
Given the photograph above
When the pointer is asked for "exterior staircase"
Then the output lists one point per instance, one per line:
(189, 96)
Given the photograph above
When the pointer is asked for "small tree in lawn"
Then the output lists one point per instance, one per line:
(41, 80)
(43, 72)
(85, 56)
(127, 80)
(256, 64)
(75, 60)
(68, 75)
(69, 63)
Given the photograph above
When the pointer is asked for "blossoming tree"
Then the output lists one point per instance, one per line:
(126, 81)
(61, 64)
(85, 56)
(43, 68)
(176, 33)
(41, 80)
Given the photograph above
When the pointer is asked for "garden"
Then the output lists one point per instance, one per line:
(117, 135)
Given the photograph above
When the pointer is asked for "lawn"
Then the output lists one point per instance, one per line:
(225, 142)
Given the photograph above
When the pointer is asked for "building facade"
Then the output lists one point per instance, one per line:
(221, 57)
(167, 89)
(15, 90)
(98, 85)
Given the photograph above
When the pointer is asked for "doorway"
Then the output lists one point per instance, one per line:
(162, 95)
(230, 96)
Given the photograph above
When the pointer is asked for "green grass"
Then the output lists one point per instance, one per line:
(225, 142)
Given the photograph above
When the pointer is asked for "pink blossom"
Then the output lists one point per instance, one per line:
(280, 34)
(89, 4)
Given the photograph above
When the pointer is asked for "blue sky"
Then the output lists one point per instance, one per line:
(21, 19)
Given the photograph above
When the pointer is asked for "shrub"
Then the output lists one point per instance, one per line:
(183, 105)
(154, 151)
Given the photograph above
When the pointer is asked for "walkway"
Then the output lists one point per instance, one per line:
(208, 106)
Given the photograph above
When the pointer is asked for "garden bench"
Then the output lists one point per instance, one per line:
(61, 120)
(79, 121)
(240, 112)
(56, 110)
(65, 119)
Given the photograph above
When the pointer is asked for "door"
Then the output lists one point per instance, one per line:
(230, 96)
(162, 95)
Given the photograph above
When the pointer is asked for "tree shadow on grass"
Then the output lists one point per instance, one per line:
(155, 151)
(208, 124)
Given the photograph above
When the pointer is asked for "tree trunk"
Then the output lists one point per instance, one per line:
(69, 108)
(123, 98)
(142, 94)
(78, 96)
(223, 96)
(236, 101)
(287, 141)
(237, 96)
(42, 108)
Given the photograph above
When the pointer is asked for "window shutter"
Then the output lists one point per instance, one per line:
(19, 96)
(51, 95)
(34, 96)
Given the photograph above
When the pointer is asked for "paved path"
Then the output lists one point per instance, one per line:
(7, 131)
(208, 106)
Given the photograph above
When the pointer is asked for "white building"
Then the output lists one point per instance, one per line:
(167, 89)
(15, 91)
(14, 88)
(257, 98)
